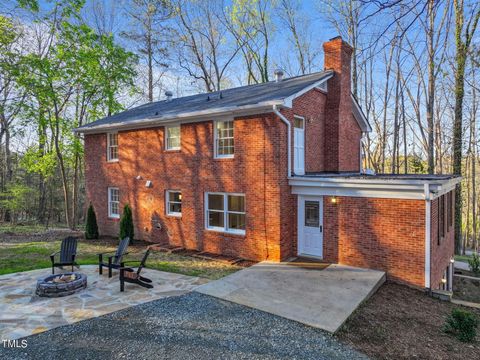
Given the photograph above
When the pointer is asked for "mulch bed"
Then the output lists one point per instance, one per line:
(403, 323)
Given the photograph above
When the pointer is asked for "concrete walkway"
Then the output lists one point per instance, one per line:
(23, 313)
(322, 298)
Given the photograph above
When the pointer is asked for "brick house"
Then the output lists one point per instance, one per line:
(269, 172)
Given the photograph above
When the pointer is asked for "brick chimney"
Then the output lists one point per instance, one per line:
(339, 138)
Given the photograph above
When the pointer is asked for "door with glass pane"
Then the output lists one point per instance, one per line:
(310, 226)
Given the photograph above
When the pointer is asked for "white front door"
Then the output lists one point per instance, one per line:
(310, 226)
(299, 146)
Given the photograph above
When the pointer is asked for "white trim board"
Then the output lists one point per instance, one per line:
(375, 187)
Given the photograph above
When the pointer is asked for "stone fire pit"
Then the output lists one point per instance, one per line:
(61, 284)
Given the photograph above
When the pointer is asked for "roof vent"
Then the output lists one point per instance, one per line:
(169, 95)
(215, 96)
(278, 75)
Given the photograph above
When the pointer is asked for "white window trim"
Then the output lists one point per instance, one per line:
(110, 215)
(225, 228)
(108, 147)
(167, 203)
(215, 137)
(299, 118)
(166, 138)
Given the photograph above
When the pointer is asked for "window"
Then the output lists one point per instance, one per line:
(225, 212)
(112, 147)
(174, 203)
(224, 143)
(113, 203)
(450, 210)
(172, 134)
(298, 122)
(312, 214)
(441, 218)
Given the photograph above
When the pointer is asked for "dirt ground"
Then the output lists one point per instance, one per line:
(467, 287)
(11, 237)
(403, 323)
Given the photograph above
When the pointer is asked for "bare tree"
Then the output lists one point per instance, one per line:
(150, 33)
(203, 49)
(465, 27)
(300, 34)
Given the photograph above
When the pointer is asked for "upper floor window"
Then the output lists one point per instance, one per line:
(113, 202)
(173, 137)
(112, 146)
(225, 212)
(174, 203)
(224, 143)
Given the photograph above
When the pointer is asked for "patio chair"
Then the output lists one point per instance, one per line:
(114, 261)
(127, 274)
(68, 251)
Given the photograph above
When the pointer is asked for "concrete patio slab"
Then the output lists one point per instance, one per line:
(23, 313)
(320, 297)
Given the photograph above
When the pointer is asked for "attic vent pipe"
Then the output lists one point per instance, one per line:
(278, 75)
(169, 95)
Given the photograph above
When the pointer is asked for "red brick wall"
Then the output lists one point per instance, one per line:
(443, 252)
(258, 170)
(382, 234)
(311, 106)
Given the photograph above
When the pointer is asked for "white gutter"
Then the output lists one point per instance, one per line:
(428, 230)
(289, 139)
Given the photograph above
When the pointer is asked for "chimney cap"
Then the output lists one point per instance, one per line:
(169, 95)
(278, 75)
(335, 38)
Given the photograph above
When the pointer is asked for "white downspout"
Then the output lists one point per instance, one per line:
(289, 139)
(428, 230)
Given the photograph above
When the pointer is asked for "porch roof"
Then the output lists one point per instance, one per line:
(403, 186)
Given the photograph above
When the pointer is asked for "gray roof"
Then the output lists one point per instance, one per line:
(233, 99)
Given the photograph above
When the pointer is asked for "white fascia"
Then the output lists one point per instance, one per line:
(288, 102)
(371, 187)
(360, 116)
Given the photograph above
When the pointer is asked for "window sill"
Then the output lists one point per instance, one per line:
(173, 150)
(223, 231)
(113, 161)
(114, 218)
(224, 158)
(175, 215)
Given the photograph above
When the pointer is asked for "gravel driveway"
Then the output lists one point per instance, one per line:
(192, 326)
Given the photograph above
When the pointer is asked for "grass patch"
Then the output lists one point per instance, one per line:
(35, 255)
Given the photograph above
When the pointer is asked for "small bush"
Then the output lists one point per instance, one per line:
(462, 324)
(126, 224)
(474, 263)
(91, 227)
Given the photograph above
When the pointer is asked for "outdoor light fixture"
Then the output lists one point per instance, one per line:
(180, 196)
(444, 281)
(334, 200)
(148, 184)
(138, 177)
(452, 260)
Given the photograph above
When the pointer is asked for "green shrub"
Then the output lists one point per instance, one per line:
(126, 224)
(474, 263)
(91, 227)
(462, 324)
